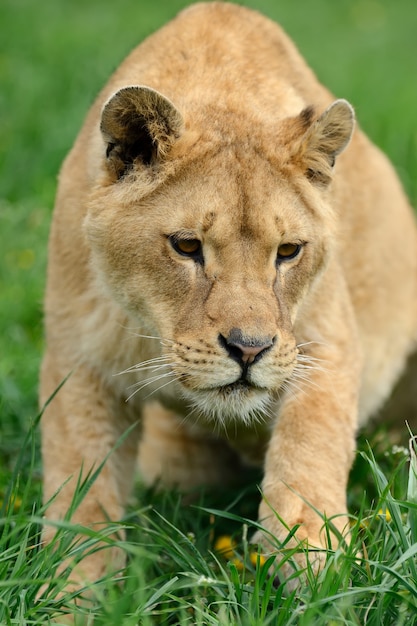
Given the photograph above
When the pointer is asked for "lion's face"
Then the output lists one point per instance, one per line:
(217, 259)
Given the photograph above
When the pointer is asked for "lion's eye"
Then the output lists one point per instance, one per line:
(187, 247)
(288, 251)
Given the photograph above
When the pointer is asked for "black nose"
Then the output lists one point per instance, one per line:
(245, 350)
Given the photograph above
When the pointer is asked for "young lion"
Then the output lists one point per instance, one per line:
(224, 272)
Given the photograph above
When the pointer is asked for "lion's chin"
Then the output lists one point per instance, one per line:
(233, 403)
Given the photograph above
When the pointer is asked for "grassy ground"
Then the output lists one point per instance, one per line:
(54, 56)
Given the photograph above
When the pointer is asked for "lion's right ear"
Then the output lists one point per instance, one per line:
(139, 125)
(315, 153)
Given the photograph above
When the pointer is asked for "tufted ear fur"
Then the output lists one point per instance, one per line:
(328, 136)
(139, 125)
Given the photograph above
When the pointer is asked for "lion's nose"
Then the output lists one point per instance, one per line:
(245, 350)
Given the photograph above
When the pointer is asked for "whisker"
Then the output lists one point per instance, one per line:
(146, 368)
(310, 357)
(292, 388)
(164, 341)
(147, 336)
(304, 359)
(159, 388)
(149, 381)
(156, 362)
(310, 367)
(166, 360)
(311, 343)
(144, 383)
(306, 380)
(311, 363)
(141, 336)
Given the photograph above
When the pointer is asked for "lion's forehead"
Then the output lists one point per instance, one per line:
(236, 193)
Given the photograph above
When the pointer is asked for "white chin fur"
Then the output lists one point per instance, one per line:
(230, 406)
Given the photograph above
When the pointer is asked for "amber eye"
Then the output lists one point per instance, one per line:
(288, 251)
(187, 247)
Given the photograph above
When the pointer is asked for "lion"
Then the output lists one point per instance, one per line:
(232, 276)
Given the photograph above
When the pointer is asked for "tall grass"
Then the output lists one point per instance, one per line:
(175, 575)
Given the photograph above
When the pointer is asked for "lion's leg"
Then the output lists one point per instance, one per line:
(312, 447)
(80, 427)
(306, 473)
(173, 453)
(307, 467)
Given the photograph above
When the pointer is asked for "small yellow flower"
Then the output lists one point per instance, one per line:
(254, 556)
(17, 503)
(385, 513)
(225, 546)
(238, 563)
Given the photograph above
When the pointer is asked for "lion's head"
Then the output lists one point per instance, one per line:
(211, 226)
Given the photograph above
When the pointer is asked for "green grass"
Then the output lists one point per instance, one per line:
(54, 57)
(175, 576)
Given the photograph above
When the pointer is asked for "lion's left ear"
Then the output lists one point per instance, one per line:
(326, 138)
(139, 126)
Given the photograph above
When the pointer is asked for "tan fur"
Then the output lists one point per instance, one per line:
(214, 130)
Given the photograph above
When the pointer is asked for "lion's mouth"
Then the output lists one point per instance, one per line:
(239, 386)
(239, 401)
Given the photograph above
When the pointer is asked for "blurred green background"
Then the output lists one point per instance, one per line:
(54, 57)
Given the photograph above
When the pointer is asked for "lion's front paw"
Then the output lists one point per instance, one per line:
(294, 557)
(302, 547)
